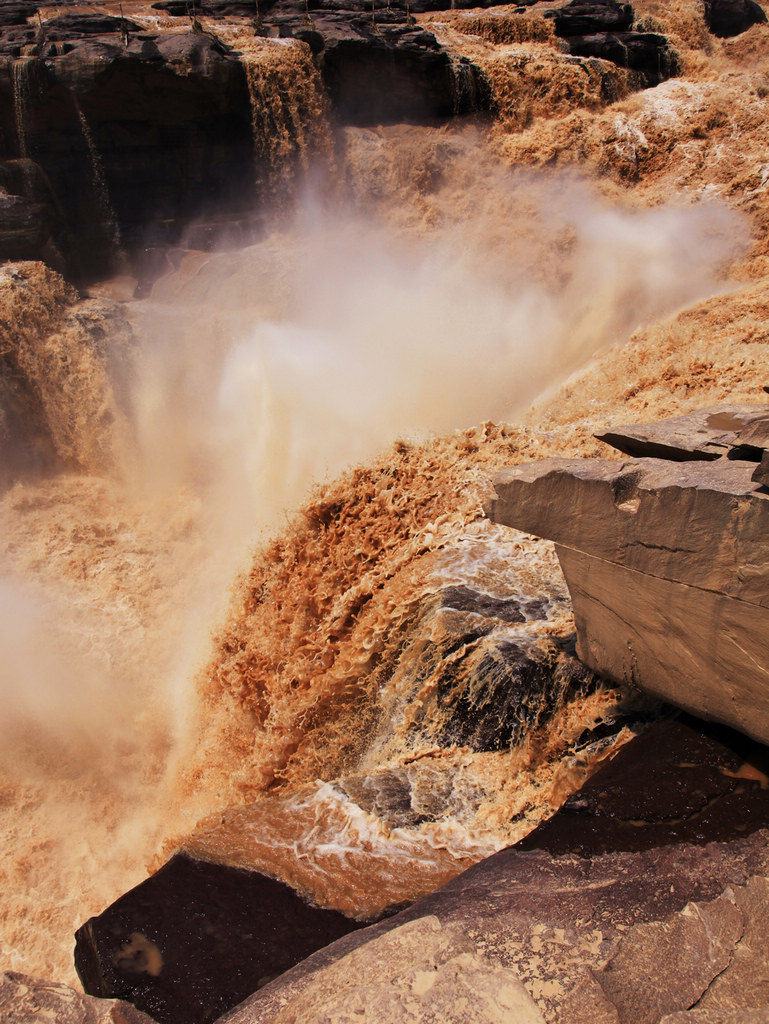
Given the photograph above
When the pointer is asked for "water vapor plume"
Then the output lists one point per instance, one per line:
(255, 374)
(308, 353)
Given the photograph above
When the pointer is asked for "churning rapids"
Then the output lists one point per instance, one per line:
(317, 413)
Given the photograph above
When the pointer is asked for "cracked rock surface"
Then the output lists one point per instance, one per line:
(665, 560)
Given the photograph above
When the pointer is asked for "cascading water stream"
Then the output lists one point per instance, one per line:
(289, 113)
(101, 189)
(23, 81)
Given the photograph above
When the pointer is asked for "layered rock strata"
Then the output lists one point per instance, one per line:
(665, 561)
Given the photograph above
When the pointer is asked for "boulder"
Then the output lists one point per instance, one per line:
(666, 563)
(618, 939)
(590, 17)
(603, 29)
(16, 12)
(195, 938)
(731, 17)
(418, 972)
(25, 1000)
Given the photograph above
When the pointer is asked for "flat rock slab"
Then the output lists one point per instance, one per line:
(196, 938)
(667, 564)
(701, 435)
(622, 938)
(702, 524)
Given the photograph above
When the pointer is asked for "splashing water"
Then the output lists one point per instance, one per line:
(255, 374)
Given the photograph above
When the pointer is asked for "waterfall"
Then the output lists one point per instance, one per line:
(23, 79)
(106, 210)
(289, 114)
(465, 91)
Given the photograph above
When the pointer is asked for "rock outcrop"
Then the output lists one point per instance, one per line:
(609, 928)
(665, 561)
(603, 28)
(727, 18)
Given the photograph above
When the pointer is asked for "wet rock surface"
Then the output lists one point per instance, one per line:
(602, 28)
(621, 908)
(195, 938)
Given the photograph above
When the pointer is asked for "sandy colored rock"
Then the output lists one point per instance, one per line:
(418, 972)
(746, 981)
(701, 524)
(666, 566)
(557, 922)
(699, 650)
(25, 1000)
(760, 1015)
(669, 965)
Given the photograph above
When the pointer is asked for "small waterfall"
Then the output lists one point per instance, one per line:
(465, 85)
(289, 114)
(106, 210)
(24, 78)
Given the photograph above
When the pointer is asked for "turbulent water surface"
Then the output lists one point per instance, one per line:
(247, 584)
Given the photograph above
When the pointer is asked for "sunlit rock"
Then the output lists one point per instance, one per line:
(703, 434)
(25, 1000)
(621, 909)
(666, 566)
(417, 972)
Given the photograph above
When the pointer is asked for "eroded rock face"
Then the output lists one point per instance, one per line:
(665, 562)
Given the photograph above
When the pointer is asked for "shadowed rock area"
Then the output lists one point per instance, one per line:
(196, 938)
(140, 131)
